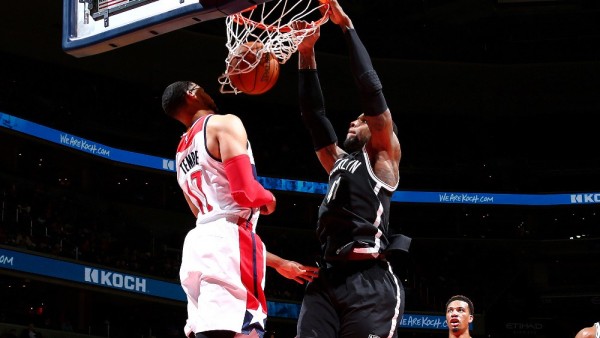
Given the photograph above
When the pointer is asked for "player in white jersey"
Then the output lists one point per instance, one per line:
(589, 332)
(223, 260)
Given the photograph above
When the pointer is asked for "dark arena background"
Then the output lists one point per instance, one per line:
(496, 102)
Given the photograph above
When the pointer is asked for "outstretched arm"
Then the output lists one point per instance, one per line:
(232, 140)
(292, 270)
(373, 102)
(312, 103)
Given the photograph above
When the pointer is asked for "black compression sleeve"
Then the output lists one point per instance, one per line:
(312, 108)
(369, 87)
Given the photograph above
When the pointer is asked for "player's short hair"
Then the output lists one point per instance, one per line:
(463, 299)
(173, 97)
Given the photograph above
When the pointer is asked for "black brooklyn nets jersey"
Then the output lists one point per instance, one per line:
(354, 215)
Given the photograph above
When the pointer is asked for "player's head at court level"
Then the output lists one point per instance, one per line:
(459, 313)
(185, 97)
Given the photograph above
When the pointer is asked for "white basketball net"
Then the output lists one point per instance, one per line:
(269, 23)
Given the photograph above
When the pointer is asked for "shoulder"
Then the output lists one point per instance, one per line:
(225, 128)
(225, 121)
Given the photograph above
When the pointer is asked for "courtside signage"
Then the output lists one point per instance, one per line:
(84, 274)
(443, 197)
(416, 321)
(494, 199)
(585, 198)
(115, 279)
(79, 143)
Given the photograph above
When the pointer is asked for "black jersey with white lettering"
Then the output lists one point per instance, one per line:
(354, 215)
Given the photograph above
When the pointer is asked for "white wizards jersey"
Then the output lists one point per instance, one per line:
(203, 180)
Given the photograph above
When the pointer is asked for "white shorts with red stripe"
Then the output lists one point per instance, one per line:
(222, 273)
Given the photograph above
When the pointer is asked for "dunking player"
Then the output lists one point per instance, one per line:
(223, 260)
(589, 332)
(356, 294)
(459, 315)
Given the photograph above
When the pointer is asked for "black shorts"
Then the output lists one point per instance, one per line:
(354, 299)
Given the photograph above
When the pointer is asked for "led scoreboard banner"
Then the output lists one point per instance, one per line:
(84, 275)
(16, 124)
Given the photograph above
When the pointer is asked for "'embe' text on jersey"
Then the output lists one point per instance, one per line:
(190, 161)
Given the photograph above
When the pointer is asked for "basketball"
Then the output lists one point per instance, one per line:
(258, 80)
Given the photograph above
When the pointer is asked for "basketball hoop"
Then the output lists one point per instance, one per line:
(271, 25)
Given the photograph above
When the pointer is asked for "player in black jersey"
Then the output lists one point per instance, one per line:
(356, 294)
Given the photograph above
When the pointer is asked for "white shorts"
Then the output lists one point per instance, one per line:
(223, 275)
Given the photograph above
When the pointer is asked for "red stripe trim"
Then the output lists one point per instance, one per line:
(251, 266)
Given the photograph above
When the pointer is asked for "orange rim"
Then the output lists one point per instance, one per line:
(242, 20)
(254, 6)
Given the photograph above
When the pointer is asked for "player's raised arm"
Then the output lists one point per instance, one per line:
(375, 112)
(312, 104)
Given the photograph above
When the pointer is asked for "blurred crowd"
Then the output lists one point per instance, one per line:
(59, 223)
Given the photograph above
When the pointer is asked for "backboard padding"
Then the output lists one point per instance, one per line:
(97, 26)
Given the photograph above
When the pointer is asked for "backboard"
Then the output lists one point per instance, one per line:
(97, 26)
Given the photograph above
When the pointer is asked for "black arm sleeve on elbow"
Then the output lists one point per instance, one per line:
(312, 106)
(369, 87)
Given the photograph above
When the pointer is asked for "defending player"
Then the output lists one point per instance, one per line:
(223, 259)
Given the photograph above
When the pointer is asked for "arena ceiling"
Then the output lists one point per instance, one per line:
(496, 32)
